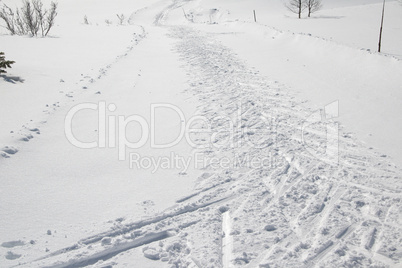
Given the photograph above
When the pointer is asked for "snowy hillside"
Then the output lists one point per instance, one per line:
(192, 136)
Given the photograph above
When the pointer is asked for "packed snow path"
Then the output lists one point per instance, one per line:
(299, 207)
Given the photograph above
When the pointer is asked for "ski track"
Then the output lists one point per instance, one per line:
(311, 225)
(227, 241)
(299, 212)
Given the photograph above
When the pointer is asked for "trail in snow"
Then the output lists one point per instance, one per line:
(297, 208)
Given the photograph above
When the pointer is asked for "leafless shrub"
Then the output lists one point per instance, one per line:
(121, 18)
(50, 19)
(86, 20)
(19, 24)
(40, 14)
(30, 18)
(8, 16)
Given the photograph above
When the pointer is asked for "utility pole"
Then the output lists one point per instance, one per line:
(382, 23)
(255, 17)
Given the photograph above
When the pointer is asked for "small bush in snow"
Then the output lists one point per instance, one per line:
(30, 19)
(86, 20)
(121, 18)
(4, 64)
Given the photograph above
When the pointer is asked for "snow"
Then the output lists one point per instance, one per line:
(289, 152)
(368, 87)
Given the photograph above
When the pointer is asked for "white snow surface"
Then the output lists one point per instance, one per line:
(301, 127)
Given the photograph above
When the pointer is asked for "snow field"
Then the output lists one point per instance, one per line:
(310, 202)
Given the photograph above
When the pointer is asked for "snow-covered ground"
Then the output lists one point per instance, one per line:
(289, 152)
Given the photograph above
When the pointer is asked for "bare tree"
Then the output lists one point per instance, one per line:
(296, 6)
(313, 6)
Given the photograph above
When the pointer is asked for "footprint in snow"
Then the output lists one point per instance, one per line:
(12, 256)
(147, 203)
(12, 244)
(36, 130)
(27, 137)
(9, 150)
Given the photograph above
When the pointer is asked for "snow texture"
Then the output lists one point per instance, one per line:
(303, 180)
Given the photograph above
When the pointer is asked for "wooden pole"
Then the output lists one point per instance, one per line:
(255, 17)
(382, 23)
